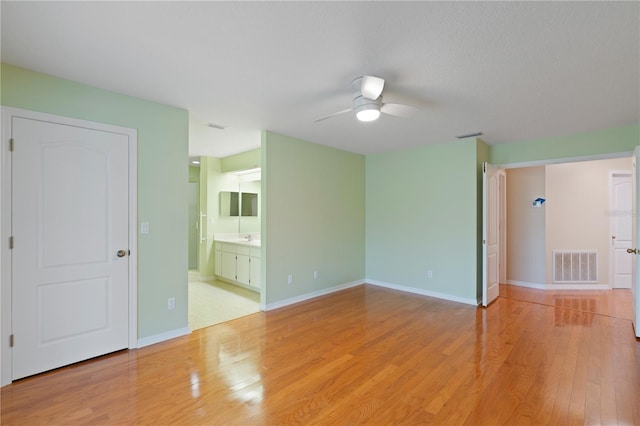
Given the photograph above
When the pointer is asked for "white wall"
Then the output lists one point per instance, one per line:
(525, 226)
(577, 209)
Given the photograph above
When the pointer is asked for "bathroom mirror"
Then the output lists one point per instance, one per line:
(249, 204)
(249, 221)
(229, 203)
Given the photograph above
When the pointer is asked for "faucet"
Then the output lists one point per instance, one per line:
(249, 237)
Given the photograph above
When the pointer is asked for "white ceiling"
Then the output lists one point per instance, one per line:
(512, 70)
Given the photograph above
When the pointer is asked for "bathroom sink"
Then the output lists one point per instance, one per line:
(255, 243)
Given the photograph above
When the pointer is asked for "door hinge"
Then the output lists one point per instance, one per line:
(484, 167)
(11, 144)
(11, 341)
(10, 243)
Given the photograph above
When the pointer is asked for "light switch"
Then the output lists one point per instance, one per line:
(144, 228)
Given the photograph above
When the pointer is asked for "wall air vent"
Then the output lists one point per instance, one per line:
(575, 266)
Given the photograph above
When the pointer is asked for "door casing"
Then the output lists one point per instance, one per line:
(635, 224)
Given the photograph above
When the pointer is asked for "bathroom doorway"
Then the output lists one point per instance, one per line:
(216, 296)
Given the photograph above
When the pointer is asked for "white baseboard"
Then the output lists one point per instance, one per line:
(537, 286)
(146, 341)
(423, 292)
(559, 286)
(312, 295)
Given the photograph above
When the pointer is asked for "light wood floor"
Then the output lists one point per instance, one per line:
(366, 355)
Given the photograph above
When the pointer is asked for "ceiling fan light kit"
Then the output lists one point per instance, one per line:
(368, 114)
(367, 101)
(366, 109)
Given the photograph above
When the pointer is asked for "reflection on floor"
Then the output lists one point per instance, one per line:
(616, 303)
(213, 302)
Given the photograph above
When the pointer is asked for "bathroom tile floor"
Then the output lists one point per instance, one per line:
(214, 302)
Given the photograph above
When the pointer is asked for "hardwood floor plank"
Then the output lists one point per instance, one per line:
(366, 355)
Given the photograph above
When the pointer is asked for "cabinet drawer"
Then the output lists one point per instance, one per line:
(255, 251)
(229, 247)
(243, 250)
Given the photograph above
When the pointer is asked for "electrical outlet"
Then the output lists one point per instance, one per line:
(315, 275)
(290, 279)
(171, 303)
(429, 274)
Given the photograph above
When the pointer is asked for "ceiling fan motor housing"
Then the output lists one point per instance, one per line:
(365, 88)
(361, 103)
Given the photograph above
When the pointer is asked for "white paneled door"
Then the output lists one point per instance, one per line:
(621, 213)
(70, 257)
(490, 234)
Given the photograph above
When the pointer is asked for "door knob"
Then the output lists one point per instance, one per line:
(121, 253)
(632, 251)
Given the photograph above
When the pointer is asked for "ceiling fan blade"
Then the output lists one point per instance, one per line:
(371, 87)
(399, 110)
(332, 115)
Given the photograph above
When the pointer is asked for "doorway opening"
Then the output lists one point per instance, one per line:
(574, 219)
(587, 207)
(224, 243)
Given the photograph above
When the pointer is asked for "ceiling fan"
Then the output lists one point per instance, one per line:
(367, 101)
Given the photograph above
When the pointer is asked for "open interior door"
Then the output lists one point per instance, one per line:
(635, 274)
(490, 234)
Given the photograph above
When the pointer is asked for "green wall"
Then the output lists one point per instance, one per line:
(243, 161)
(615, 140)
(422, 214)
(194, 174)
(313, 217)
(209, 167)
(162, 181)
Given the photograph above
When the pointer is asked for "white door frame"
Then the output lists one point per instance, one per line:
(502, 229)
(635, 241)
(5, 226)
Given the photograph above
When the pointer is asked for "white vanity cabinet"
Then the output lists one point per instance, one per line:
(238, 264)
(243, 265)
(228, 265)
(255, 267)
